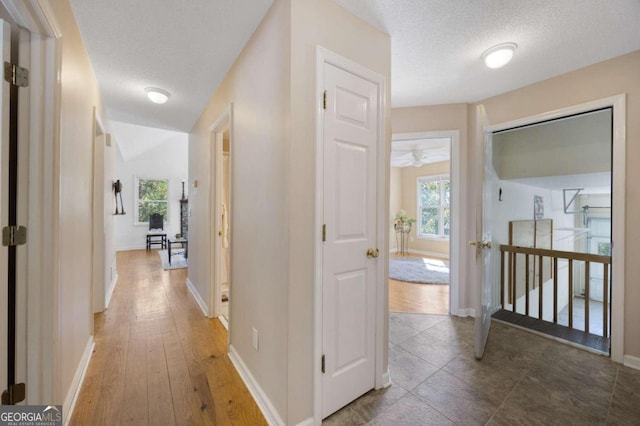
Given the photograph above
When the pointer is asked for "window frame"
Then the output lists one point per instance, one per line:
(136, 199)
(441, 208)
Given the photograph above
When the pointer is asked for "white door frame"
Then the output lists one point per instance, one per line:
(382, 379)
(222, 124)
(98, 300)
(618, 103)
(456, 239)
(43, 195)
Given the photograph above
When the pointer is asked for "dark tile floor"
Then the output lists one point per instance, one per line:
(523, 379)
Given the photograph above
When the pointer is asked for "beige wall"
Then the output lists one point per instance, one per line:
(410, 177)
(258, 86)
(79, 94)
(609, 78)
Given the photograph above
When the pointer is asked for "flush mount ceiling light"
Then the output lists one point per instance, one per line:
(498, 56)
(156, 95)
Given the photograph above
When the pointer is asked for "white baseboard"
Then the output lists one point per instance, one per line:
(76, 382)
(112, 285)
(429, 253)
(199, 299)
(632, 362)
(395, 250)
(468, 312)
(268, 410)
(307, 422)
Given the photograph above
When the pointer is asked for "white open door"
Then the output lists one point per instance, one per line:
(485, 250)
(5, 31)
(349, 267)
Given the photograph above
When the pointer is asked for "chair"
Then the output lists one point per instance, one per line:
(156, 234)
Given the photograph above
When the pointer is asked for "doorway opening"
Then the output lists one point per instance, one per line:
(554, 206)
(424, 196)
(221, 208)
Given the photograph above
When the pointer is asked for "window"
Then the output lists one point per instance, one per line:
(151, 197)
(434, 212)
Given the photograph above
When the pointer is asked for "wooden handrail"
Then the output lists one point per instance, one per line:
(586, 257)
(571, 256)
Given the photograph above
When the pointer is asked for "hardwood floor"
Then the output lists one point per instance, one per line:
(157, 359)
(418, 298)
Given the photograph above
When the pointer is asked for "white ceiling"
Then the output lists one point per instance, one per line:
(185, 47)
(188, 47)
(437, 45)
(418, 152)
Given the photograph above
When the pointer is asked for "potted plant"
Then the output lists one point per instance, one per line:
(402, 222)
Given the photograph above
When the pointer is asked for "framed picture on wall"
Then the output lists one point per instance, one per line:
(538, 207)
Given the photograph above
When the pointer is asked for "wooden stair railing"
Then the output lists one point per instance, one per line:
(587, 258)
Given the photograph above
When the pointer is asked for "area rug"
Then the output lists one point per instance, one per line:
(418, 270)
(177, 259)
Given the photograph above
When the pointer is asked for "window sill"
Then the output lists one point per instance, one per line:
(433, 238)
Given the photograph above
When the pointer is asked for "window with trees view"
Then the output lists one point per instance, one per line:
(152, 196)
(434, 212)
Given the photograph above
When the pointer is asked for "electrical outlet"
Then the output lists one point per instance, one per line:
(255, 339)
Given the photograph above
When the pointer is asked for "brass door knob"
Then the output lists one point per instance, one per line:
(481, 244)
(372, 253)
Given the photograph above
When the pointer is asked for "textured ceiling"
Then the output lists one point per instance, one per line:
(437, 44)
(185, 47)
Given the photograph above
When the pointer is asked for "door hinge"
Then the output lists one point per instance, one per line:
(16, 393)
(322, 367)
(18, 76)
(324, 233)
(324, 100)
(14, 236)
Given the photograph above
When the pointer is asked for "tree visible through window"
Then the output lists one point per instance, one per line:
(152, 198)
(434, 212)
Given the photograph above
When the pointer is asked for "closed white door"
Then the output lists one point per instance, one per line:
(349, 209)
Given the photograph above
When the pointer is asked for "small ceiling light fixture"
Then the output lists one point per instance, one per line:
(156, 95)
(500, 55)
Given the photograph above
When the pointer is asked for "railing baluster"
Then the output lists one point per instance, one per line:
(570, 293)
(526, 285)
(605, 302)
(514, 293)
(586, 296)
(555, 290)
(540, 285)
(511, 254)
(502, 253)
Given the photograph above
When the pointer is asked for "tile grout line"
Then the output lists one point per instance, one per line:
(613, 391)
(533, 364)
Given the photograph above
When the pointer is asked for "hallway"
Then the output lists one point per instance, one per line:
(157, 359)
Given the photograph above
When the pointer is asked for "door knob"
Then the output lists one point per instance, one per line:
(481, 244)
(373, 253)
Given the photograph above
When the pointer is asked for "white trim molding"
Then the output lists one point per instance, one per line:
(199, 300)
(306, 422)
(112, 285)
(76, 383)
(632, 362)
(268, 410)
